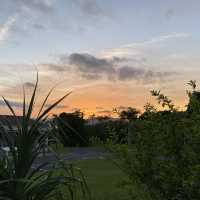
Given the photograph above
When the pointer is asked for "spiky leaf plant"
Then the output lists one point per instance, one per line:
(18, 179)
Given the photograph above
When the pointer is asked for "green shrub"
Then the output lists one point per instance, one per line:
(163, 161)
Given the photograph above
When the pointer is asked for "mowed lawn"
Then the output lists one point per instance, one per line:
(103, 178)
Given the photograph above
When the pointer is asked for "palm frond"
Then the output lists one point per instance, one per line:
(18, 179)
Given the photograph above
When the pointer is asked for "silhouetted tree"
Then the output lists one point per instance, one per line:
(194, 99)
(149, 111)
(71, 131)
(127, 114)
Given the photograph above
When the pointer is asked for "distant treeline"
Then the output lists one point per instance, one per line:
(74, 130)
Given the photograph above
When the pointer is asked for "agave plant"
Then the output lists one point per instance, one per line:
(18, 179)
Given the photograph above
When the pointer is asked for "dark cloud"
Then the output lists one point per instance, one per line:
(64, 58)
(127, 73)
(131, 73)
(87, 63)
(91, 67)
(88, 66)
(12, 103)
(29, 85)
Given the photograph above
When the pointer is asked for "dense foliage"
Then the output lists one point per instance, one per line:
(162, 161)
(70, 129)
(116, 131)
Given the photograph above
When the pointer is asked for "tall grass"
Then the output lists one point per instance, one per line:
(18, 179)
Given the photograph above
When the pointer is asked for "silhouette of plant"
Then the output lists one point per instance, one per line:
(18, 179)
(163, 100)
(192, 83)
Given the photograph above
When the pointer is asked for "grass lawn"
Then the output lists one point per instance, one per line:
(102, 177)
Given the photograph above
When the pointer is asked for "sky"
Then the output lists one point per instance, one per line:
(108, 53)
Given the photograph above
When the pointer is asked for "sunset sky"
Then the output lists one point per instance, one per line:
(110, 53)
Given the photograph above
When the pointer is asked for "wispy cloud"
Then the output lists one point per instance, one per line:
(136, 47)
(128, 73)
(29, 11)
(158, 39)
(39, 6)
(6, 27)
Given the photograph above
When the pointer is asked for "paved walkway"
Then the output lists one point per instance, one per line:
(76, 154)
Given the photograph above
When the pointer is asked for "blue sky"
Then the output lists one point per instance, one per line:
(126, 46)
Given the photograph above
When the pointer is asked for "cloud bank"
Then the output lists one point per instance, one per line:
(91, 67)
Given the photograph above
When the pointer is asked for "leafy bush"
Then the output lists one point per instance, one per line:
(99, 130)
(163, 161)
(164, 157)
(109, 130)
